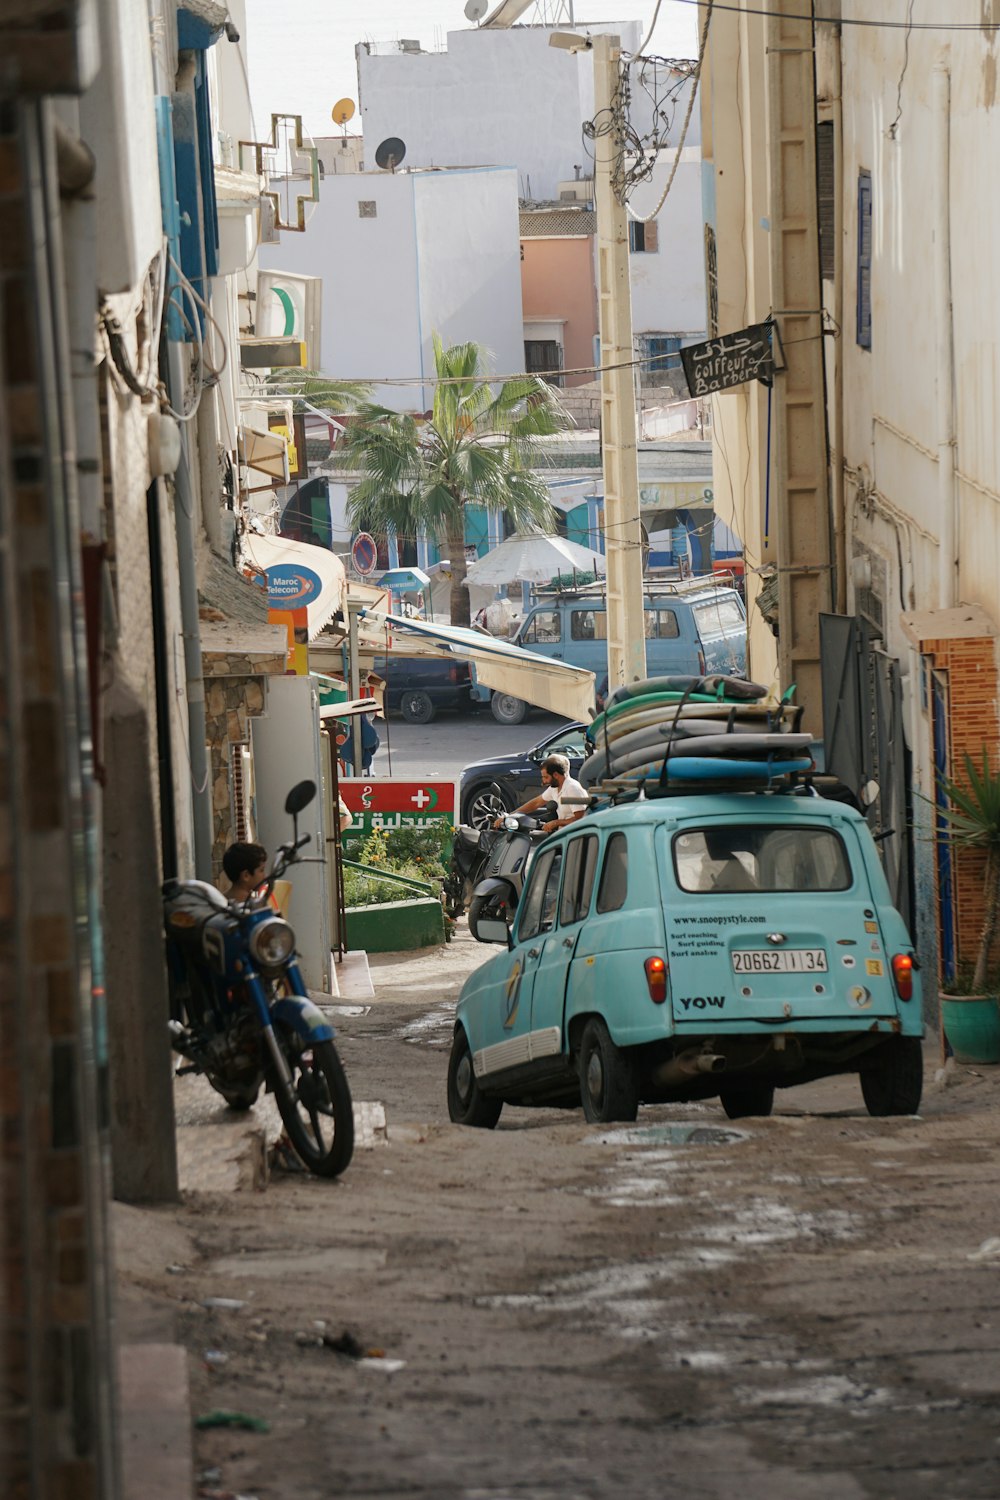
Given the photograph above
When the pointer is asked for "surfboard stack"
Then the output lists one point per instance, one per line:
(687, 733)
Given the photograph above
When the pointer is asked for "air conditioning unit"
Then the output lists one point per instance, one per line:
(409, 44)
(580, 190)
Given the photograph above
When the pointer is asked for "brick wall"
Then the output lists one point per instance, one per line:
(972, 726)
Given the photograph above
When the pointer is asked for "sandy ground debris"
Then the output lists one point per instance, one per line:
(800, 1308)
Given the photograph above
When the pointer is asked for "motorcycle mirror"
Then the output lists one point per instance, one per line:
(299, 797)
(490, 930)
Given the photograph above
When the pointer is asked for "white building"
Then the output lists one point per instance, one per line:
(508, 96)
(405, 255)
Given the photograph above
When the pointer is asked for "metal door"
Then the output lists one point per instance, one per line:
(865, 745)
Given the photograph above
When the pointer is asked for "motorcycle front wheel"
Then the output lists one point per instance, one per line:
(493, 907)
(316, 1108)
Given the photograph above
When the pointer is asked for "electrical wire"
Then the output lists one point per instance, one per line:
(693, 94)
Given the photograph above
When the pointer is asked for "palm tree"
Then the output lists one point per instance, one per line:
(475, 448)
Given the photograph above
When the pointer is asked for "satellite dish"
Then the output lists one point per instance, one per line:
(390, 153)
(475, 10)
(343, 110)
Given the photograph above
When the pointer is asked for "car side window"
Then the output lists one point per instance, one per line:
(539, 913)
(661, 625)
(614, 875)
(588, 625)
(578, 885)
(544, 628)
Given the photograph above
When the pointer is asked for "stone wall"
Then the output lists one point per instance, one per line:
(235, 692)
(55, 1364)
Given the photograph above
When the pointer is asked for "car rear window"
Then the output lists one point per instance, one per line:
(722, 617)
(776, 857)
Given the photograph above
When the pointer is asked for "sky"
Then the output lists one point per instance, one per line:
(301, 52)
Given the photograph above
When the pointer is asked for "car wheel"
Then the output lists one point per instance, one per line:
(507, 709)
(609, 1083)
(466, 1105)
(417, 708)
(741, 1101)
(485, 804)
(892, 1077)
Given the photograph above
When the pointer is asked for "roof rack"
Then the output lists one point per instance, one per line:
(651, 588)
(619, 790)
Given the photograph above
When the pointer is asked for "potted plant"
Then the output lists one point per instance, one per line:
(971, 1021)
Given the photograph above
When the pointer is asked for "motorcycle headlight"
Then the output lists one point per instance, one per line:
(272, 943)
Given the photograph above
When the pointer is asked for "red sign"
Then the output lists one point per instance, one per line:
(384, 802)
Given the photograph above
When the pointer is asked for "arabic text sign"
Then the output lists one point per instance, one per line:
(384, 802)
(730, 360)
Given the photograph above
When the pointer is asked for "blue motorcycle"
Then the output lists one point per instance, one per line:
(241, 1015)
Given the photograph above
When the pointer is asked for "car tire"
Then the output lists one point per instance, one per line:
(507, 709)
(483, 804)
(466, 1105)
(744, 1101)
(417, 708)
(892, 1077)
(609, 1081)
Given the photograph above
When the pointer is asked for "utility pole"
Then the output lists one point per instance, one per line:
(802, 500)
(622, 530)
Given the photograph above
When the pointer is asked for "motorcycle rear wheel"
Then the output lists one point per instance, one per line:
(316, 1110)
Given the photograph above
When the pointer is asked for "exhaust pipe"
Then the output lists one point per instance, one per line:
(687, 1065)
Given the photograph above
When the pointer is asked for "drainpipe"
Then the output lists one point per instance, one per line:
(839, 346)
(186, 515)
(947, 497)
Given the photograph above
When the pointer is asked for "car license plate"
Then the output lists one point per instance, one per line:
(779, 961)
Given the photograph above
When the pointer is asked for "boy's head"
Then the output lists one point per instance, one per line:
(245, 864)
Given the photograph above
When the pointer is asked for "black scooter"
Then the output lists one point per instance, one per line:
(488, 867)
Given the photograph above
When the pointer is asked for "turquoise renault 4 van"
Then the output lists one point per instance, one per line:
(693, 946)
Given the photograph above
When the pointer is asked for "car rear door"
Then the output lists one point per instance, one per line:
(772, 924)
(722, 630)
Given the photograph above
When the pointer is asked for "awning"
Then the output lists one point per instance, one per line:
(267, 452)
(404, 580)
(554, 685)
(299, 576)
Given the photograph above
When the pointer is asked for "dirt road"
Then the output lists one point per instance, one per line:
(801, 1307)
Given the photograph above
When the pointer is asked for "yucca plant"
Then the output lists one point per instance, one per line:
(973, 818)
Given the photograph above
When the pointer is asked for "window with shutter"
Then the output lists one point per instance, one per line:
(864, 310)
(643, 238)
(825, 187)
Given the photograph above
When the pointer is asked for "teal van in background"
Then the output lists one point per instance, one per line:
(691, 629)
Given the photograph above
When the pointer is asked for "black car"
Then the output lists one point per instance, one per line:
(419, 685)
(494, 786)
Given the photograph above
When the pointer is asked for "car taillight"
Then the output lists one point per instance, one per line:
(702, 664)
(656, 979)
(902, 973)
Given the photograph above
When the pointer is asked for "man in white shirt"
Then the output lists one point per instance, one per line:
(558, 787)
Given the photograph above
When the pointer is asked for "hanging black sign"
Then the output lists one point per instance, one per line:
(732, 359)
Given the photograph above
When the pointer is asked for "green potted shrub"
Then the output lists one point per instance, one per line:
(971, 1020)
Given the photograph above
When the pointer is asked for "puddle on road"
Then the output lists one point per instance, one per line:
(825, 1390)
(679, 1133)
(435, 1027)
